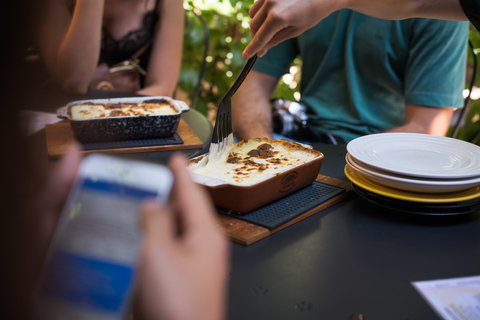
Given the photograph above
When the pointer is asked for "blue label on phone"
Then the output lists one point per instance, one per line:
(117, 188)
(86, 283)
(94, 256)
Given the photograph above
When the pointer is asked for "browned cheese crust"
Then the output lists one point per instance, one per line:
(248, 163)
(128, 109)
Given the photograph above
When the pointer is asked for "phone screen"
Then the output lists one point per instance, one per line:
(92, 261)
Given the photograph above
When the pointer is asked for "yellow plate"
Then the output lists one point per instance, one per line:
(367, 184)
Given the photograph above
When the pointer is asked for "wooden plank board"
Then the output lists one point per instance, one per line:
(246, 233)
(59, 136)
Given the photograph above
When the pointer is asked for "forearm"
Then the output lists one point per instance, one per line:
(79, 53)
(157, 89)
(398, 10)
(251, 111)
(275, 21)
(70, 45)
(162, 73)
(165, 60)
(251, 118)
(422, 119)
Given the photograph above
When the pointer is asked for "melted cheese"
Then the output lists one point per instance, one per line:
(253, 161)
(94, 111)
(219, 152)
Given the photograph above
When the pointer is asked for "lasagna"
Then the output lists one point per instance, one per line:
(252, 161)
(97, 111)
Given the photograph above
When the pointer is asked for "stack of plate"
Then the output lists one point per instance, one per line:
(416, 173)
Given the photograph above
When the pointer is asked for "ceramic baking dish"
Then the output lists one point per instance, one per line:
(118, 128)
(246, 198)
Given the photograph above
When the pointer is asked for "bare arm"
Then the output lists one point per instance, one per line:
(165, 60)
(398, 10)
(251, 111)
(423, 119)
(274, 21)
(70, 45)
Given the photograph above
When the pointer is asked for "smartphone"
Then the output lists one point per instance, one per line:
(91, 265)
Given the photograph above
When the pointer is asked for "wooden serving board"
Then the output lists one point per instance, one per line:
(59, 136)
(246, 233)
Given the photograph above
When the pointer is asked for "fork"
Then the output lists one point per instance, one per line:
(222, 136)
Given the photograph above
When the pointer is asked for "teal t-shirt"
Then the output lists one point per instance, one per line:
(359, 72)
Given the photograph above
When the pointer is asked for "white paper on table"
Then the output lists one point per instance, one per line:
(452, 299)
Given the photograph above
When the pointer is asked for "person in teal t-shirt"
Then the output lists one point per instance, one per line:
(363, 75)
(275, 21)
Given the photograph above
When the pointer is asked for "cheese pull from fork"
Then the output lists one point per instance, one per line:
(222, 137)
(219, 152)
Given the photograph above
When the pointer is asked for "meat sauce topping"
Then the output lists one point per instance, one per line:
(249, 166)
(255, 160)
(89, 110)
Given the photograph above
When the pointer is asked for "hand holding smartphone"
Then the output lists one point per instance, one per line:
(91, 265)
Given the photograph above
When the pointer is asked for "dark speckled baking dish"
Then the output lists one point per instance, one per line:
(126, 127)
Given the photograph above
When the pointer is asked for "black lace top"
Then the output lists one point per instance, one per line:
(114, 51)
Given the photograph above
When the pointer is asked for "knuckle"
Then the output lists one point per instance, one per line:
(271, 3)
(278, 17)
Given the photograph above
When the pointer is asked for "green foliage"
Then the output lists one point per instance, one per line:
(470, 130)
(474, 37)
(229, 25)
(288, 87)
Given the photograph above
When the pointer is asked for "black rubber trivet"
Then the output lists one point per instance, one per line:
(132, 143)
(287, 208)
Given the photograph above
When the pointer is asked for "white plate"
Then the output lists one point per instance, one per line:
(411, 184)
(418, 155)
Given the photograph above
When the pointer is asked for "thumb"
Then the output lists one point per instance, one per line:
(158, 224)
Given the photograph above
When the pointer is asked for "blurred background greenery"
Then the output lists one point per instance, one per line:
(228, 23)
(469, 128)
(228, 26)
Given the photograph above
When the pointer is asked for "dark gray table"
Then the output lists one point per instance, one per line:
(354, 257)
